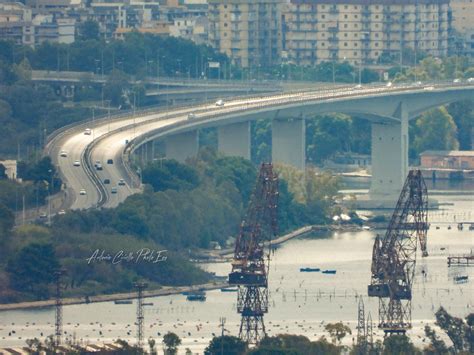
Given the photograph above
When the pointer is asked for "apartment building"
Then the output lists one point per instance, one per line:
(248, 31)
(462, 15)
(15, 23)
(360, 31)
(463, 24)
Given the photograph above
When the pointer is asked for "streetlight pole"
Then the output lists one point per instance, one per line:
(49, 196)
(93, 123)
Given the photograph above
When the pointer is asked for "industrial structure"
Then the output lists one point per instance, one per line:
(250, 265)
(394, 256)
(58, 306)
(361, 328)
(140, 286)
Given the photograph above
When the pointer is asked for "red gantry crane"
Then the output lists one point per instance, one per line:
(394, 256)
(251, 261)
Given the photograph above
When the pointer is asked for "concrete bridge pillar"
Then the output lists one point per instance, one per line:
(289, 142)
(148, 152)
(234, 139)
(389, 157)
(182, 146)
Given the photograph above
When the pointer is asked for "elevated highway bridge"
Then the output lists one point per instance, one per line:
(389, 109)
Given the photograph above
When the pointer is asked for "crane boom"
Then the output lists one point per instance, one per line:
(252, 255)
(394, 255)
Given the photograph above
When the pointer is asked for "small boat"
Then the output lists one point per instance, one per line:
(310, 269)
(471, 227)
(329, 272)
(229, 289)
(123, 301)
(196, 296)
(461, 279)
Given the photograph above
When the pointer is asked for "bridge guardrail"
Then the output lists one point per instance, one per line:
(297, 96)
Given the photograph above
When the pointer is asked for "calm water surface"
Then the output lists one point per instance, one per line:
(300, 303)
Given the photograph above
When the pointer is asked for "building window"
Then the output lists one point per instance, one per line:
(355, 44)
(356, 25)
(225, 24)
(345, 44)
(376, 44)
(345, 25)
(345, 16)
(345, 34)
(355, 54)
(377, 16)
(356, 16)
(323, 16)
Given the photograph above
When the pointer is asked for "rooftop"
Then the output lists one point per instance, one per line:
(449, 153)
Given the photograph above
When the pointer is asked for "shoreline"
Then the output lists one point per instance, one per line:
(210, 257)
(164, 291)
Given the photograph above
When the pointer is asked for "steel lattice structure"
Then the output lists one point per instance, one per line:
(252, 255)
(394, 256)
(361, 327)
(140, 286)
(58, 306)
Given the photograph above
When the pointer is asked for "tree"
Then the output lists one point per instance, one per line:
(32, 269)
(337, 331)
(463, 115)
(116, 89)
(171, 342)
(151, 344)
(7, 221)
(3, 172)
(327, 135)
(435, 130)
(170, 174)
(89, 30)
(437, 346)
(227, 344)
(23, 70)
(460, 333)
(399, 345)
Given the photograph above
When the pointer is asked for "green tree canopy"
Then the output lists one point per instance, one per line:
(169, 174)
(435, 130)
(227, 344)
(171, 342)
(89, 30)
(399, 345)
(337, 331)
(32, 269)
(463, 115)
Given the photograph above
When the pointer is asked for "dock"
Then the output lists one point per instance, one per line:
(461, 260)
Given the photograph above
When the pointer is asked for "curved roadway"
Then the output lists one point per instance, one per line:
(109, 139)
